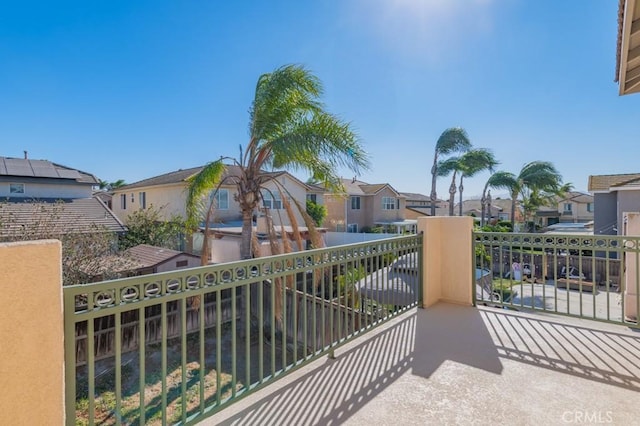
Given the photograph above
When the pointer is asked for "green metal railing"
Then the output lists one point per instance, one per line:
(594, 277)
(176, 347)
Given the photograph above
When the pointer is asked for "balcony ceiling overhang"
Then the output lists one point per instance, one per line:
(628, 66)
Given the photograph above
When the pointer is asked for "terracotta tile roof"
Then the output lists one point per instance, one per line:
(604, 182)
(50, 217)
(21, 167)
(147, 256)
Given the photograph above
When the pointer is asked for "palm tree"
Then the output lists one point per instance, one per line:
(534, 178)
(450, 166)
(474, 162)
(452, 140)
(117, 184)
(498, 180)
(288, 128)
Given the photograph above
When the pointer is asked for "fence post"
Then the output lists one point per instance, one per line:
(31, 334)
(448, 263)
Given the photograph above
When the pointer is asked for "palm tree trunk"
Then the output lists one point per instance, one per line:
(513, 209)
(452, 194)
(434, 175)
(483, 202)
(247, 232)
(461, 188)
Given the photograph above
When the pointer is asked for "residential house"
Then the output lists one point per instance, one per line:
(573, 207)
(628, 49)
(417, 205)
(150, 259)
(169, 192)
(37, 196)
(365, 206)
(500, 210)
(613, 195)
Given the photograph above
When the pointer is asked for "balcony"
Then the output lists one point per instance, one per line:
(333, 335)
(453, 364)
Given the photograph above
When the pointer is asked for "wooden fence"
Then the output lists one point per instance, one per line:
(104, 340)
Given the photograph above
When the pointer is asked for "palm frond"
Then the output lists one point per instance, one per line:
(452, 140)
(199, 184)
(448, 166)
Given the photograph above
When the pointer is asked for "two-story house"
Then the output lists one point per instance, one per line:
(613, 195)
(168, 192)
(366, 205)
(37, 193)
(573, 207)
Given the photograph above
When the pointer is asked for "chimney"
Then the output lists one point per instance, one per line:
(26, 155)
(353, 180)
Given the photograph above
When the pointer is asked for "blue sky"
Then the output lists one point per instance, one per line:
(131, 90)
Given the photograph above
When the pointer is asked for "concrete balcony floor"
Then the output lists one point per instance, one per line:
(452, 364)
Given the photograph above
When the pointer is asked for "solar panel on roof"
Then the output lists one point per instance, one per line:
(18, 167)
(69, 174)
(43, 169)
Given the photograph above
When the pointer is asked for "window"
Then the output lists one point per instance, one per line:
(355, 203)
(312, 197)
(503, 216)
(16, 188)
(352, 227)
(567, 207)
(272, 200)
(221, 199)
(590, 207)
(123, 201)
(388, 203)
(182, 263)
(142, 198)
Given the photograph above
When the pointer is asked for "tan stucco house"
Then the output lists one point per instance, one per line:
(366, 205)
(500, 210)
(574, 207)
(169, 192)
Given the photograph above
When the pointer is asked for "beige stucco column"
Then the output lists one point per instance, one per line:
(448, 263)
(31, 334)
(630, 297)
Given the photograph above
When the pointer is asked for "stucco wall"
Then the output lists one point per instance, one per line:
(170, 265)
(31, 334)
(605, 214)
(447, 277)
(335, 211)
(631, 295)
(170, 197)
(628, 201)
(381, 215)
